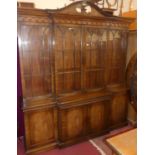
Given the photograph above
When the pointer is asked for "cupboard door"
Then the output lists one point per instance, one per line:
(72, 123)
(35, 59)
(118, 113)
(40, 127)
(94, 49)
(98, 114)
(67, 49)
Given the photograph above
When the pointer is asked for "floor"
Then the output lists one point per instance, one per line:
(84, 148)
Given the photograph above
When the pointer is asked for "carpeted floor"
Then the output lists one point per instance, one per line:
(84, 148)
(94, 146)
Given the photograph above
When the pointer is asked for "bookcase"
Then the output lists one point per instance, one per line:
(73, 74)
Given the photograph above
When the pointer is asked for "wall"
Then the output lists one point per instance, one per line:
(47, 4)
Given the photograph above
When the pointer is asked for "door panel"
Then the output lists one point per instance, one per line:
(119, 109)
(40, 127)
(72, 123)
(99, 116)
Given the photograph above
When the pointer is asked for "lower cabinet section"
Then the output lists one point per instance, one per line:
(40, 129)
(71, 121)
(80, 121)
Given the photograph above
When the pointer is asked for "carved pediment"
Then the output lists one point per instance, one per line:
(84, 8)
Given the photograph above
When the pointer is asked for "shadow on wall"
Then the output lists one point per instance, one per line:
(132, 80)
(132, 84)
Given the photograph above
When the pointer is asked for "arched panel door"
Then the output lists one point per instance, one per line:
(35, 59)
(94, 49)
(67, 47)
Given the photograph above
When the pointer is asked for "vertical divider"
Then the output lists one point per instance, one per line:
(107, 58)
(90, 63)
(74, 36)
(82, 59)
(63, 55)
(42, 58)
(30, 57)
(52, 56)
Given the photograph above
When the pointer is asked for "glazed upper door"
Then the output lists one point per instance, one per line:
(67, 47)
(94, 49)
(116, 56)
(35, 59)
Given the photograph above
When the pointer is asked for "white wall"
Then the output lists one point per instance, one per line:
(126, 5)
(53, 4)
(48, 4)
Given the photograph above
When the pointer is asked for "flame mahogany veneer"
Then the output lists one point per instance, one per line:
(73, 74)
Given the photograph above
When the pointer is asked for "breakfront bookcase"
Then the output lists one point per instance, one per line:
(72, 63)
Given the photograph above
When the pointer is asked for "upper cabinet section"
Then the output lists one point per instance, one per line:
(74, 49)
